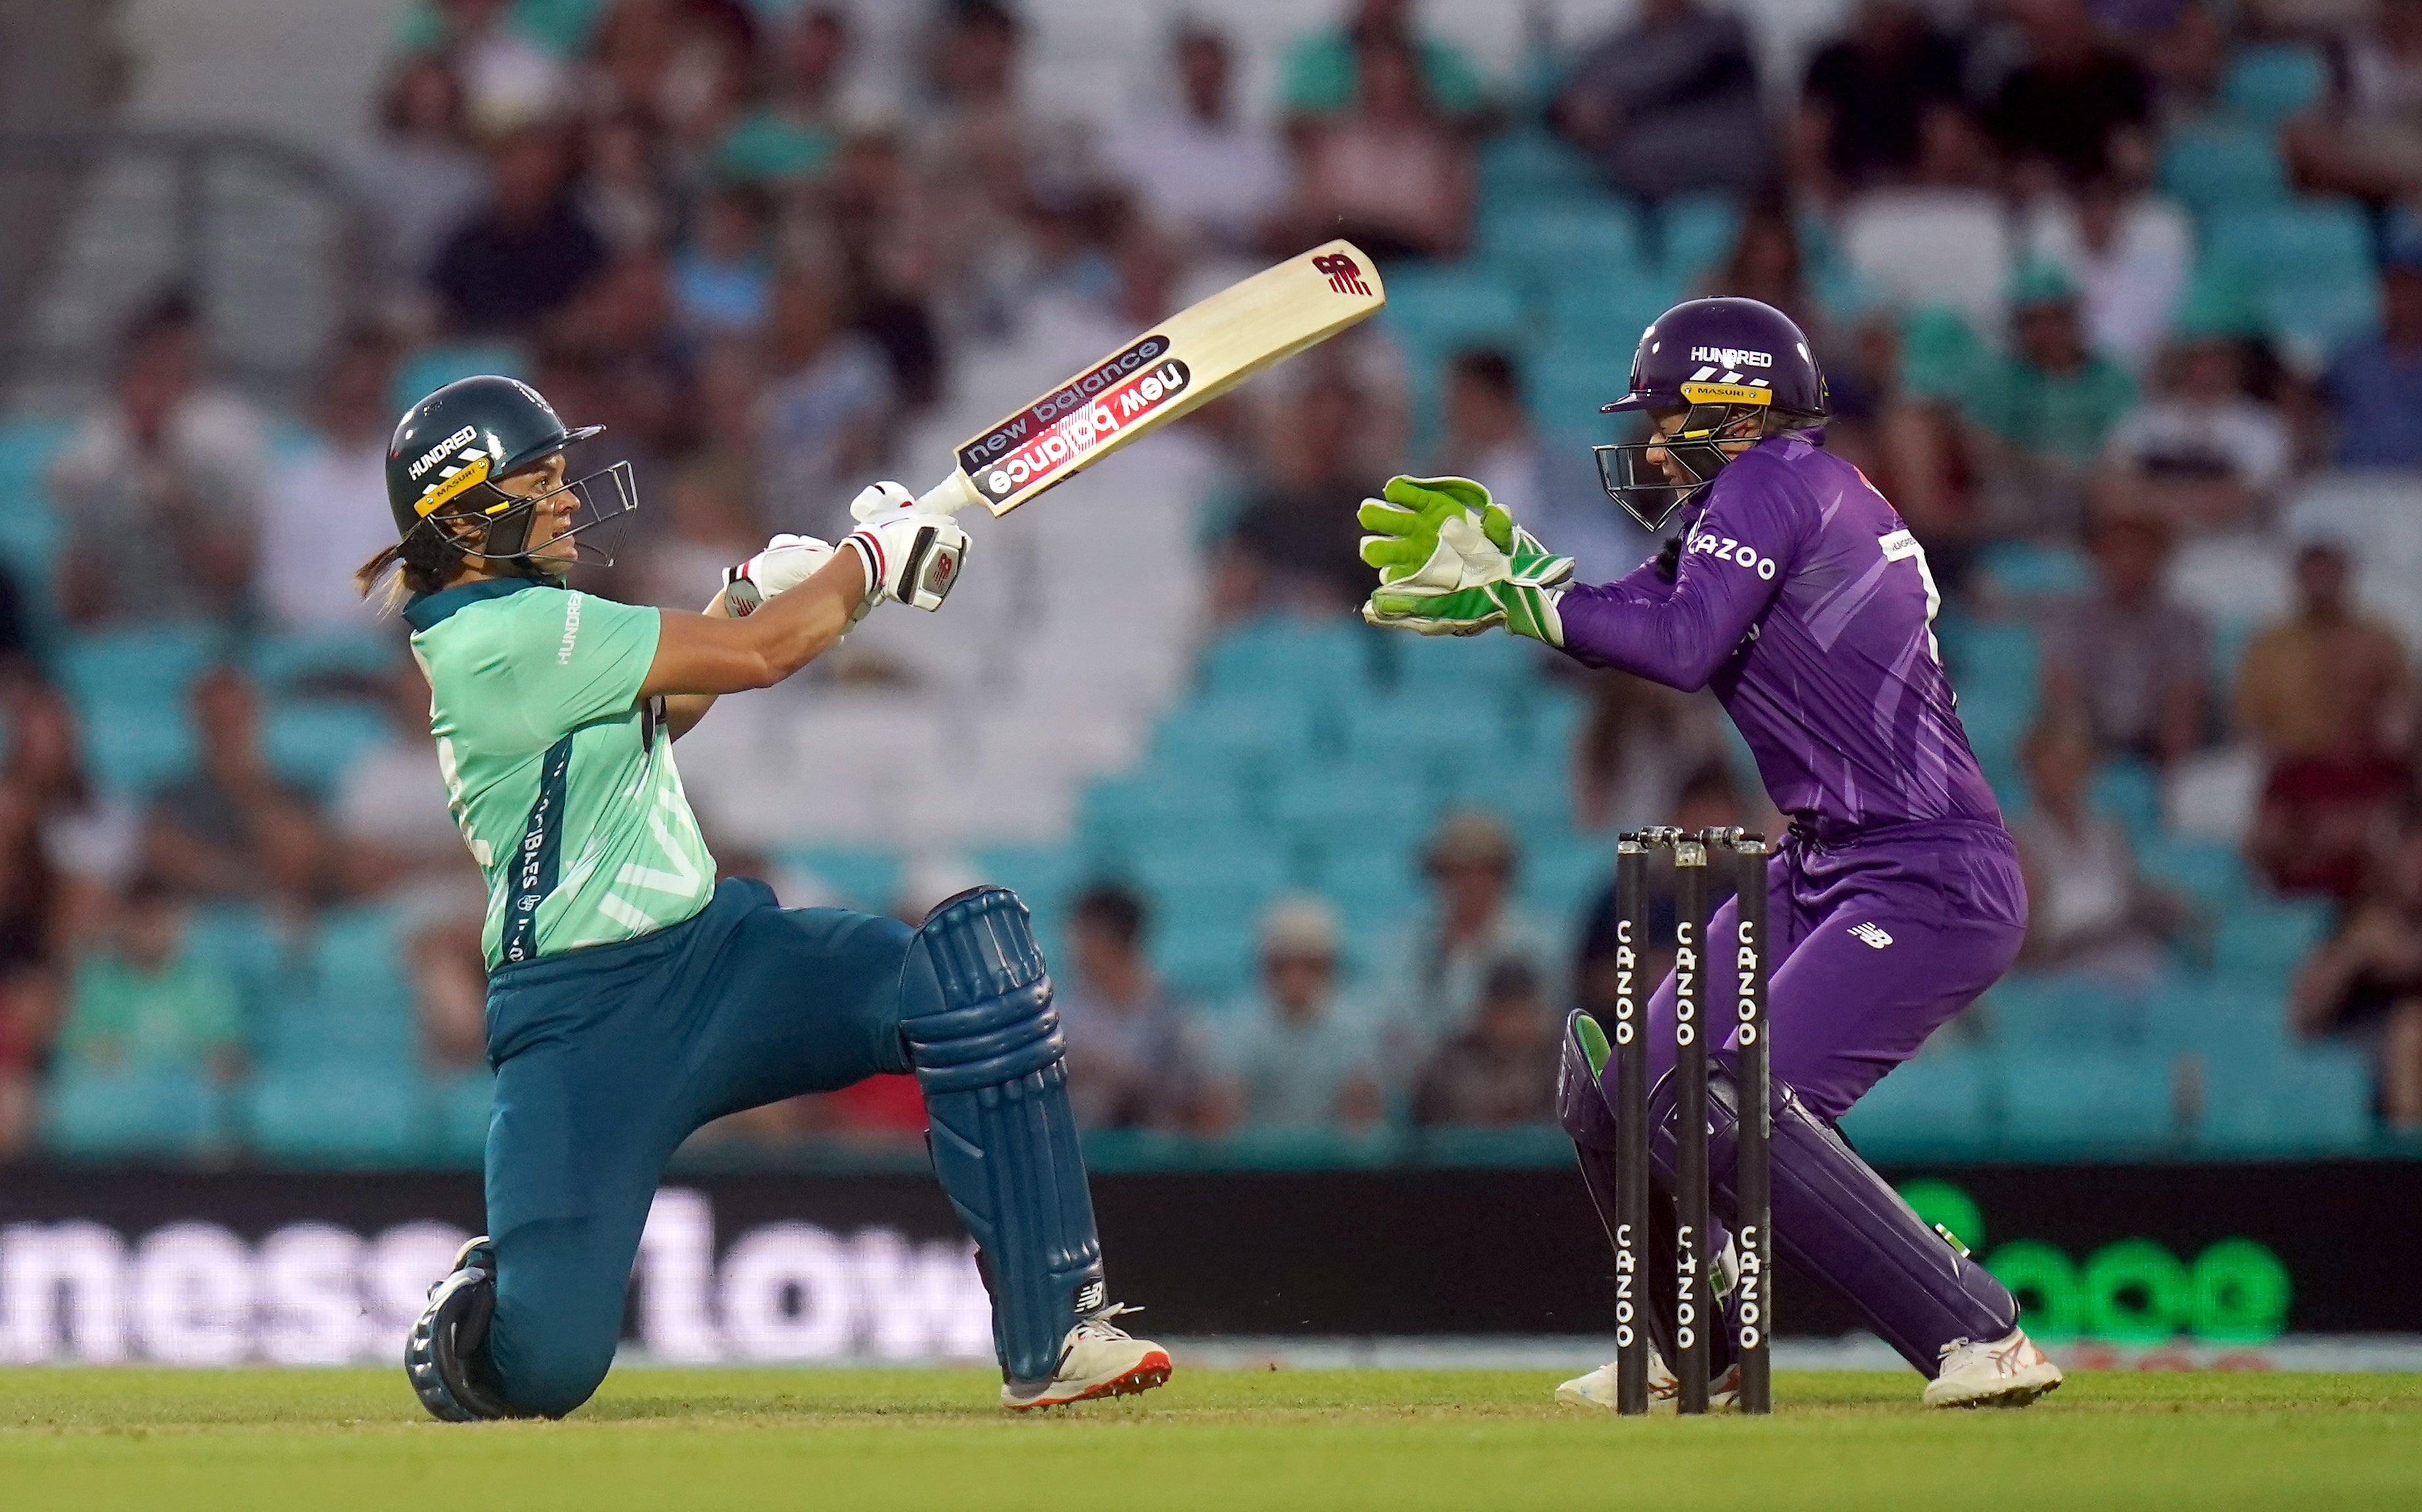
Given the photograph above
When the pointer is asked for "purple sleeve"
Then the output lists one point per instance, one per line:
(1735, 558)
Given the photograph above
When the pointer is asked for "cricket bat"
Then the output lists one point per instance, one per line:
(1192, 357)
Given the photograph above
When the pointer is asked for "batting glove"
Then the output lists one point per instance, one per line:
(911, 555)
(786, 562)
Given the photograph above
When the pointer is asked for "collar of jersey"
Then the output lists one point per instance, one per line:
(430, 608)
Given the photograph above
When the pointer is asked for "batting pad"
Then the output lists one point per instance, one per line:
(985, 1043)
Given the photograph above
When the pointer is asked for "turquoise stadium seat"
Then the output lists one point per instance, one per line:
(1320, 662)
(458, 1117)
(2050, 1010)
(1940, 1103)
(30, 527)
(1203, 959)
(240, 942)
(2066, 1099)
(868, 877)
(2300, 1101)
(313, 743)
(1537, 247)
(1561, 876)
(2209, 871)
(356, 1006)
(1459, 666)
(2310, 264)
(97, 1112)
(1981, 652)
(2127, 791)
(2214, 1015)
(1121, 815)
(1613, 307)
(2219, 165)
(2262, 944)
(1695, 236)
(2269, 81)
(1325, 804)
(290, 660)
(339, 1112)
(1565, 382)
(1424, 742)
(2024, 569)
(1524, 168)
(1444, 308)
(129, 687)
(1045, 876)
(1256, 734)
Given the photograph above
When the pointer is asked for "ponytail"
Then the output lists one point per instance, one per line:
(421, 563)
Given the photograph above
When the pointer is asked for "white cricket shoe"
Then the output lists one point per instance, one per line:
(2009, 1372)
(1099, 1359)
(1596, 1389)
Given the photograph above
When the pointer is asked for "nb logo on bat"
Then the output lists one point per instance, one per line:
(1344, 274)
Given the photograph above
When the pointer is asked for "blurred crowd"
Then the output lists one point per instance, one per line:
(700, 224)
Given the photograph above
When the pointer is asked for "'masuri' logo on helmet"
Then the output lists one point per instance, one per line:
(444, 449)
(1733, 356)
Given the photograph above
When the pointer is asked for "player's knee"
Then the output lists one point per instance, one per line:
(552, 1373)
(977, 1004)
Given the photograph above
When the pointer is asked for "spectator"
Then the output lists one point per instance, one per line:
(822, 416)
(506, 77)
(389, 814)
(788, 136)
(422, 176)
(1292, 1056)
(2077, 108)
(2206, 453)
(1295, 543)
(449, 975)
(1132, 1062)
(234, 828)
(1639, 747)
(2128, 253)
(91, 844)
(1502, 1071)
(2365, 982)
(1866, 94)
(2124, 654)
(31, 915)
(1389, 174)
(528, 252)
(329, 513)
(1709, 799)
(2366, 139)
(2373, 386)
(157, 485)
(2326, 698)
(2088, 912)
(142, 999)
(720, 279)
(1646, 102)
(1202, 175)
(1473, 927)
(2043, 412)
(623, 193)
(1323, 72)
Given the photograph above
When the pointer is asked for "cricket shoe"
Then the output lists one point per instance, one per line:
(445, 1357)
(2008, 1372)
(1099, 1359)
(1596, 1389)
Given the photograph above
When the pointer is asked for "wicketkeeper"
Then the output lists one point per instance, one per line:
(1797, 593)
(631, 997)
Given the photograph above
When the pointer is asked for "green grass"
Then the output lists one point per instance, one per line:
(867, 1440)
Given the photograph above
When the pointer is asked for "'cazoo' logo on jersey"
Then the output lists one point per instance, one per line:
(1733, 356)
(1725, 549)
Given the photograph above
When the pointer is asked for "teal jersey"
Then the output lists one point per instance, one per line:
(560, 779)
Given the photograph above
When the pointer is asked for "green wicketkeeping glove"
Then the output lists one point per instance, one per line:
(1405, 521)
(1499, 574)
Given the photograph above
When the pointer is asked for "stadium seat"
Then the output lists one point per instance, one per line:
(1248, 734)
(2027, 570)
(2262, 944)
(1523, 169)
(458, 1117)
(2303, 1099)
(346, 1112)
(1695, 235)
(129, 687)
(1537, 246)
(2045, 1011)
(1609, 308)
(1940, 1103)
(312, 742)
(2207, 871)
(2072, 1100)
(240, 942)
(2127, 791)
(2219, 165)
(2218, 1016)
(1442, 309)
(356, 1004)
(1203, 959)
(291, 659)
(1565, 382)
(2003, 654)
(868, 877)
(2269, 81)
(2310, 264)
(106, 1113)
(30, 527)
(1319, 662)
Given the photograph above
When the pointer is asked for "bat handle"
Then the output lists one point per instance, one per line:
(948, 496)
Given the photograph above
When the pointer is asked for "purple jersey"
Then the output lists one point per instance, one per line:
(1804, 601)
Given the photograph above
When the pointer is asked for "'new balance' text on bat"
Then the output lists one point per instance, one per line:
(1195, 355)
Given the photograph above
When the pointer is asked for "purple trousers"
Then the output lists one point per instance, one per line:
(1875, 943)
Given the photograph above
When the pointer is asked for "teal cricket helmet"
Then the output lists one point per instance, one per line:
(452, 448)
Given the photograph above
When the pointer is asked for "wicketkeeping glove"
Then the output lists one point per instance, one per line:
(1405, 522)
(1505, 576)
(786, 562)
(912, 555)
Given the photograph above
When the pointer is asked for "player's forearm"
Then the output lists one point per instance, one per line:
(1677, 639)
(698, 654)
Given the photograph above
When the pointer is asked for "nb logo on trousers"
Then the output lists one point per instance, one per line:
(1870, 935)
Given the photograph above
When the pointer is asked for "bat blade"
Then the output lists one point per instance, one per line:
(1186, 360)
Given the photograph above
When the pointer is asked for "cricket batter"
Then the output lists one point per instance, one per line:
(631, 997)
(1797, 593)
